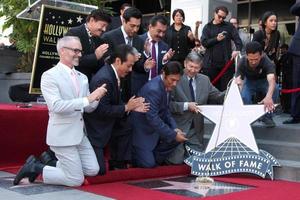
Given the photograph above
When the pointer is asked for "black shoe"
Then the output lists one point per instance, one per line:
(269, 123)
(116, 165)
(27, 171)
(291, 121)
(48, 158)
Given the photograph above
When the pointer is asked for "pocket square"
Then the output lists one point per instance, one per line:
(163, 51)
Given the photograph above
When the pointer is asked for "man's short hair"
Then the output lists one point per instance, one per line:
(64, 41)
(193, 57)
(124, 5)
(254, 47)
(121, 52)
(172, 68)
(132, 12)
(158, 18)
(99, 15)
(223, 8)
(178, 10)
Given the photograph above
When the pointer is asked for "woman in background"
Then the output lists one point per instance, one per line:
(269, 36)
(179, 37)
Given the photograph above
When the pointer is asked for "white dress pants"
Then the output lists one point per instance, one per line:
(73, 163)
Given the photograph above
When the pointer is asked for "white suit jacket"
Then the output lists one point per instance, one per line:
(65, 125)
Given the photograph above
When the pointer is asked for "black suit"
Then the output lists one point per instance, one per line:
(295, 52)
(88, 63)
(105, 122)
(139, 75)
(114, 38)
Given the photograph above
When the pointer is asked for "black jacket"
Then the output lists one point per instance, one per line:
(219, 52)
(179, 42)
(111, 109)
(88, 64)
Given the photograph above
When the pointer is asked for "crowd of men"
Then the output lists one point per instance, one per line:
(136, 95)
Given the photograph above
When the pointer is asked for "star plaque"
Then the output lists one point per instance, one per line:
(232, 147)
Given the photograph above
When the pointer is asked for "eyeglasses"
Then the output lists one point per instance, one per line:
(221, 17)
(76, 51)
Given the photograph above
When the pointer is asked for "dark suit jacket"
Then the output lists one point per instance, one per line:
(100, 123)
(140, 77)
(295, 43)
(88, 64)
(205, 93)
(157, 123)
(114, 38)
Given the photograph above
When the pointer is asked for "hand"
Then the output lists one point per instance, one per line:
(134, 103)
(168, 55)
(149, 63)
(234, 54)
(101, 50)
(191, 35)
(239, 82)
(97, 94)
(193, 107)
(180, 136)
(144, 107)
(198, 23)
(147, 47)
(220, 37)
(268, 103)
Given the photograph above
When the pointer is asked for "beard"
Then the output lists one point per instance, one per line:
(75, 61)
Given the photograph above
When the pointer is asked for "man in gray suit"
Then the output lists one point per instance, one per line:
(193, 89)
(67, 96)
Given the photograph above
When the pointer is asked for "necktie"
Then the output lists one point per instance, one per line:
(153, 55)
(192, 89)
(75, 82)
(129, 41)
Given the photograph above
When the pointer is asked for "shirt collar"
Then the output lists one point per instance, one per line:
(116, 74)
(124, 34)
(67, 69)
(87, 30)
(149, 36)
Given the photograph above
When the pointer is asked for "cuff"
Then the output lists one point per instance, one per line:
(185, 106)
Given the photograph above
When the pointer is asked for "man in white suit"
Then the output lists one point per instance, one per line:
(67, 95)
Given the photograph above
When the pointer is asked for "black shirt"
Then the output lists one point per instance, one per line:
(261, 71)
(179, 42)
(219, 52)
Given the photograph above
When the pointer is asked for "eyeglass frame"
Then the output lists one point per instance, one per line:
(76, 51)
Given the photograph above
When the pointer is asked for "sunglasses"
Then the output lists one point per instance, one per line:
(76, 51)
(221, 17)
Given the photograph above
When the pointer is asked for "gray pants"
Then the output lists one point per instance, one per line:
(73, 163)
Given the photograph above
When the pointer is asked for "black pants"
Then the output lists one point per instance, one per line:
(212, 73)
(295, 107)
(119, 147)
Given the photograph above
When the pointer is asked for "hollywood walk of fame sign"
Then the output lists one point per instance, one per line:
(232, 147)
(54, 23)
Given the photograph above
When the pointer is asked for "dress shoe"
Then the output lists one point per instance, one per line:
(291, 121)
(48, 158)
(27, 171)
(117, 165)
(269, 123)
